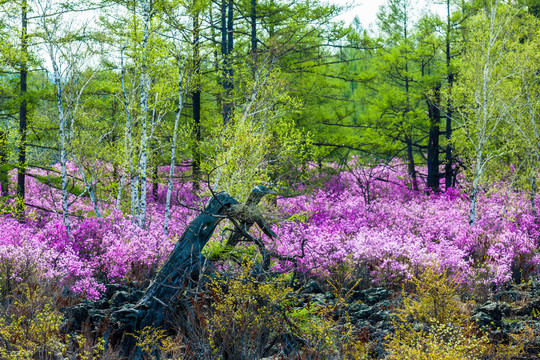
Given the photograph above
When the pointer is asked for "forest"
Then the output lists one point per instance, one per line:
(234, 179)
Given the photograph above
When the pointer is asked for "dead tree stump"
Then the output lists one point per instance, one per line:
(181, 270)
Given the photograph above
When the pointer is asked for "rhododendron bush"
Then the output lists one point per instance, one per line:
(111, 249)
(398, 231)
(393, 231)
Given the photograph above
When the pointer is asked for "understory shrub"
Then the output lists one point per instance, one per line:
(249, 317)
(431, 325)
(30, 326)
(399, 231)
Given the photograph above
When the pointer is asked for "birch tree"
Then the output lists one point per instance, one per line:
(181, 95)
(484, 94)
(145, 85)
(525, 121)
(66, 56)
(137, 80)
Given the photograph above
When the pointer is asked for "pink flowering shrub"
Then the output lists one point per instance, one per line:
(397, 231)
(110, 249)
(367, 217)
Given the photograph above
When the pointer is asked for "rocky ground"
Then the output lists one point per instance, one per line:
(515, 310)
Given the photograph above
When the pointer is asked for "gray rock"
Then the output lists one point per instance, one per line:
(364, 313)
(496, 310)
(484, 320)
(329, 296)
(357, 306)
(311, 288)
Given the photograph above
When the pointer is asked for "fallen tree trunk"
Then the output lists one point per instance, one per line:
(181, 271)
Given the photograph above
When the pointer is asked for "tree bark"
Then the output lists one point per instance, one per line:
(196, 97)
(247, 222)
(410, 160)
(133, 179)
(63, 153)
(180, 272)
(91, 189)
(23, 112)
(227, 47)
(173, 149)
(4, 174)
(155, 180)
(448, 171)
(475, 186)
(215, 53)
(164, 302)
(253, 17)
(433, 142)
(143, 159)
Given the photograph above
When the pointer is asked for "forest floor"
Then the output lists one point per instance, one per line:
(506, 323)
(388, 272)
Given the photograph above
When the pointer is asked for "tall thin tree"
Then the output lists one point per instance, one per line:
(23, 111)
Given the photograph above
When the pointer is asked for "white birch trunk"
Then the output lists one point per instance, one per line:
(120, 188)
(128, 152)
(474, 193)
(90, 187)
(63, 153)
(173, 151)
(143, 161)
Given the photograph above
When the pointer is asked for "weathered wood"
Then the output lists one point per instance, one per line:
(181, 269)
(250, 217)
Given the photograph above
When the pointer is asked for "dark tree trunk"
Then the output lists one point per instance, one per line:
(4, 170)
(253, 17)
(448, 171)
(433, 142)
(196, 164)
(224, 29)
(410, 161)
(155, 181)
(448, 168)
(181, 269)
(215, 53)
(23, 112)
(247, 222)
(160, 304)
(196, 97)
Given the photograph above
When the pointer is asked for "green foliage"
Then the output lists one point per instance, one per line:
(343, 281)
(438, 298)
(153, 341)
(260, 143)
(430, 325)
(444, 342)
(86, 349)
(30, 327)
(301, 217)
(488, 88)
(56, 182)
(245, 315)
(214, 251)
